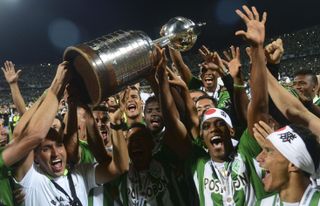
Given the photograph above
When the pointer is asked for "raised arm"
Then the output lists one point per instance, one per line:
(180, 65)
(291, 107)
(120, 158)
(191, 111)
(35, 124)
(255, 35)
(176, 136)
(240, 99)
(70, 138)
(12, 78)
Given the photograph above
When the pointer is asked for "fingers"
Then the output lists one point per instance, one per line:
(242, 16)
(233, 52)
(19, 72)
(248, 51)
(263, 128)
(237, 53)
(248, 12)
(264, 18)
(255, 13)
(260, 139)
(241, 33)
(205, 53)
(226, 54)
(252, 14)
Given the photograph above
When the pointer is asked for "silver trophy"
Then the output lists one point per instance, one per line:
(111, 62)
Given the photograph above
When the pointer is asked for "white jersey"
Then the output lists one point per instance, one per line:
(310, 198)
(39, 190)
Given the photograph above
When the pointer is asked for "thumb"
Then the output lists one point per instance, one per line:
(19, 72)
(240, 33)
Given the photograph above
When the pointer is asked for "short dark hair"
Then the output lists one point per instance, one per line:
(310, 140)
(206, 96)
(150, 99)
(308, 72)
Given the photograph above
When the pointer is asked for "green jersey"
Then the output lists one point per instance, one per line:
(317, 102)
(150, 187)
(311, 197)
(86, 154)
(164, 183)
(237, 182)
(5, 188)
(221, 94)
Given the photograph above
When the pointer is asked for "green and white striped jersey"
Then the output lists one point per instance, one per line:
(311, 197)
(240, 182)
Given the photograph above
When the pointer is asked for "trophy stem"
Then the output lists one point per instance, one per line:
(162, 41)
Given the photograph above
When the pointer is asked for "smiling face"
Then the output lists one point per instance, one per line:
(276, 167)
(153, 117)
(133, 104)
(217, 137)
(51, 156)
(305, 86)
(102, 120)
(209, 79)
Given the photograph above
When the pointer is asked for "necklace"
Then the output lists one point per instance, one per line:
(224, 176)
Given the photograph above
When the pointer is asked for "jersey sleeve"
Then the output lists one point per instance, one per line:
(248, 145)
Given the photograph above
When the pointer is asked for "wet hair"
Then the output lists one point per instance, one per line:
(308, 72)
(311, 141)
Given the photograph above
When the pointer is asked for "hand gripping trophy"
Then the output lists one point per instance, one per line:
(111, 62)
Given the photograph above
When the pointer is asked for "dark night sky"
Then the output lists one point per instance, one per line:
(36, 31)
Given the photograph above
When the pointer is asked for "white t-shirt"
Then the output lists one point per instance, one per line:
(39, 190)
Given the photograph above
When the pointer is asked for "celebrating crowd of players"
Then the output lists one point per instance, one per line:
(194, 141)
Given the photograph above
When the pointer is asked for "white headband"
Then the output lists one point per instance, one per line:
(291, 145)
(216, 113)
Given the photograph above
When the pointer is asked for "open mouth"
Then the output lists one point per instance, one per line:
(56, 165)
(209, 80)
(132, 107)
(265, 174)
(216, 141)
(155, 122)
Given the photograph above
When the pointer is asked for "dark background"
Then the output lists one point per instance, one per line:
(36, 31)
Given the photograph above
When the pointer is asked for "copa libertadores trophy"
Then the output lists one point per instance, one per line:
(111, 62)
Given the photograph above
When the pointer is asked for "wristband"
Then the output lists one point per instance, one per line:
(239, 86)
(117, 127)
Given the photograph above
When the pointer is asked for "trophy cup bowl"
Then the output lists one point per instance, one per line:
(180, 32)
(109, 63)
